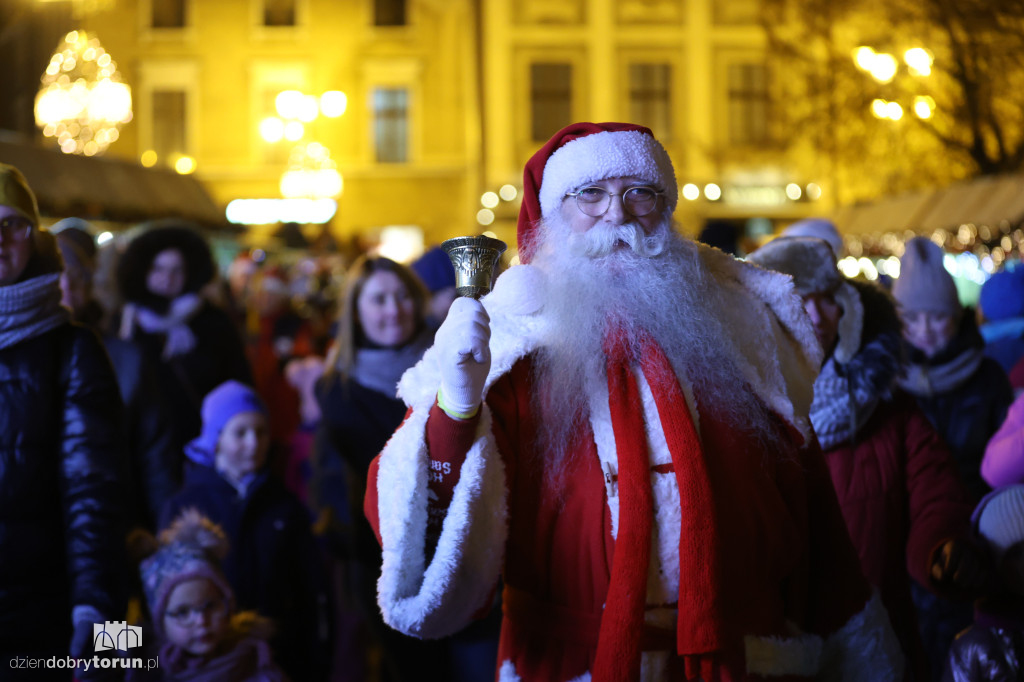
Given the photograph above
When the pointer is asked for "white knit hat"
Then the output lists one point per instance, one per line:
(1001, 521)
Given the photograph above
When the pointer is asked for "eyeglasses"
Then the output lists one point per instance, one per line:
(188, 615)
(595, 201)
(15, 227)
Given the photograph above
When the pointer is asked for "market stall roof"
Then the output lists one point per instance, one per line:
(107, 188)
(990, 200)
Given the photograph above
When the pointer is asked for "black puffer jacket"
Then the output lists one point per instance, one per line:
(61, 521)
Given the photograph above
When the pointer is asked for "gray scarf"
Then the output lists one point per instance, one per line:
(30, 308)
(928, 380)
(379, 369)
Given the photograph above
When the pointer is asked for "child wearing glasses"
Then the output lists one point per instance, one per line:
(198, 634)
(274, 566)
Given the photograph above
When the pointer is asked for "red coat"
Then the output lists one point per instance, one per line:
(902, 498)
(793, 569)
(794, 603)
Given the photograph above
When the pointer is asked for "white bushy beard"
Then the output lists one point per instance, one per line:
(658, 286)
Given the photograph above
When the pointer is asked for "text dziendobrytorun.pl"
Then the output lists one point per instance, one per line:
(84, 664)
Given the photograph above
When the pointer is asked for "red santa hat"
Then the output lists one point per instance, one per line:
(582, 153)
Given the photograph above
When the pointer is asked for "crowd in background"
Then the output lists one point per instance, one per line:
(255, 395)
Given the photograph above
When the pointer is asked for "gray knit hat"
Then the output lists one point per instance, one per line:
(924, 283)
(1001, 518)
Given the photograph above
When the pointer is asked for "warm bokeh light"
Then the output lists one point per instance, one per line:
(813, 191)
(293, 131)
(272, 129)
(712, 191)
(267, 211)
(883, 67)
(185, 165)
(863, 57)
(485, 216)
(508, 192)
(919, 60)
(104, 237)
(148, 158)
(333, 103)
(489, 200)
(879, 108)
(894, 111)
(793, 191)
(924, 106)
(308, 108)
(288, 104)
(691, 192)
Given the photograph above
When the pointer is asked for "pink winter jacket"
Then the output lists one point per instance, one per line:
(1003, 463)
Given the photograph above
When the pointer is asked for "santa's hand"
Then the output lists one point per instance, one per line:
(463, 340)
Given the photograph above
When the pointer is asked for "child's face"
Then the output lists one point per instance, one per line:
(242, 445)
(196, 616)
(1011, 568)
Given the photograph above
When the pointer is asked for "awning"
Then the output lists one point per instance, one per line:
(991, 200)
(108, 189)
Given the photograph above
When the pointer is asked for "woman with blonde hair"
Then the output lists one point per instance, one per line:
(382, 332)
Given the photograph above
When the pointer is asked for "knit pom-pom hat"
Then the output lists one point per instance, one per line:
(582, 153)
(190, 549)
(219, 406)
(999, 518)
(811, 263)
(924, 283)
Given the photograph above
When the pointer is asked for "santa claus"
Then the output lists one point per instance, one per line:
(619, 431)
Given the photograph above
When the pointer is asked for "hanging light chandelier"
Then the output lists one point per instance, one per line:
(82, 101)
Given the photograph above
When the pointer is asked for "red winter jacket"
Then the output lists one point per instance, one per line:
(902, 498)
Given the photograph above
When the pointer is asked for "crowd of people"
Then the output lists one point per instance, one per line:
(638, 458)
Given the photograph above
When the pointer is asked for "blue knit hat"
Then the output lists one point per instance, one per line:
(435, 269)
(1002, 295)
(219, 406)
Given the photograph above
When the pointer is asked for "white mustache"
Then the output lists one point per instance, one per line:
(601, 239)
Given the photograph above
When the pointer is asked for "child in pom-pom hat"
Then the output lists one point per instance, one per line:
(993, 648)
(199, 636)
(274, 566)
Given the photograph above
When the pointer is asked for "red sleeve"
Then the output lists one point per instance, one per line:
(448, 441)
(939, 506)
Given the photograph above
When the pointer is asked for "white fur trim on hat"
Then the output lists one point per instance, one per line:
(608, 154)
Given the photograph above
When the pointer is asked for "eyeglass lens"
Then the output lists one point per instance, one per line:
(595, 201)
(15, 227)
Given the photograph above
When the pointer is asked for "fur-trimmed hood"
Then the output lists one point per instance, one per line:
(153, 238)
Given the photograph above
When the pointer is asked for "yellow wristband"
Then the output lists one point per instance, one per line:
(452, 413)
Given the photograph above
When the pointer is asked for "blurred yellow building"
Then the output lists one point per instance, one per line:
(445, 101)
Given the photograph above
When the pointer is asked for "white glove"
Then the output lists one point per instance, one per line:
(463, 340)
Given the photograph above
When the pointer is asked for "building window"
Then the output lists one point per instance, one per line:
(279, 12)
(168, 13)
(169, 124)
(389, 12)
(650, 97)
(747, 99)
(550, 98)
(391, 124)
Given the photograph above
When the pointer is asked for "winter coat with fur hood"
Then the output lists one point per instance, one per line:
(896, 481)
(218, 353)
(61, 530)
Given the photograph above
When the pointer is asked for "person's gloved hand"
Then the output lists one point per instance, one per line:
(958, 564)
(463, 341)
